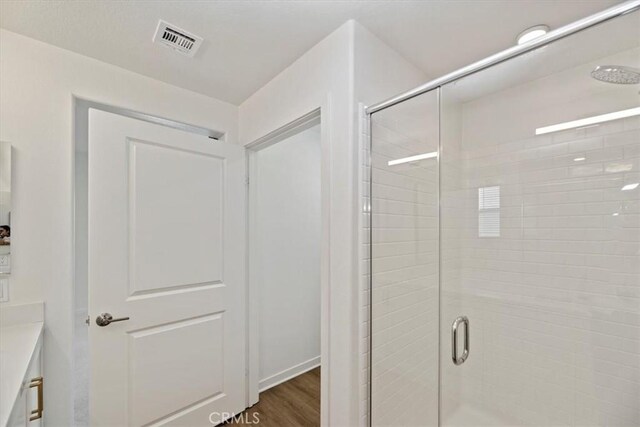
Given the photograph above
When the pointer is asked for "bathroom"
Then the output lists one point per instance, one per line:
(300, 213)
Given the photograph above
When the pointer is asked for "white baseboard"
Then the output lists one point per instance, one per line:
(288, 373)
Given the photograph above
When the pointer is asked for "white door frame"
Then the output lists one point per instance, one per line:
(253, 302)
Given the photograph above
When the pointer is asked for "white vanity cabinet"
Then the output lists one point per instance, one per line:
(19, 413)
(28, 409)
(22, 397)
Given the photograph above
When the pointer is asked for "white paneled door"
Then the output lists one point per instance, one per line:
(167, 250)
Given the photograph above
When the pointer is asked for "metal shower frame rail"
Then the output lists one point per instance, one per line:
(567, 30)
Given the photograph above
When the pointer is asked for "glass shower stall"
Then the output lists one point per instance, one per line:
(505, 238)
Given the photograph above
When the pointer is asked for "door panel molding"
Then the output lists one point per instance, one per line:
(167, 250)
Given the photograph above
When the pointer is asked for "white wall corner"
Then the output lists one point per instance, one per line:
(323, 78)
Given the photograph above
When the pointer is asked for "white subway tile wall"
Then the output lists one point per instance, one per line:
(551, 284)
(554, 301)
(404, 220)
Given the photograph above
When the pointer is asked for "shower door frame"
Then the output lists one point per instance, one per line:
(512, 52)
(436, 85)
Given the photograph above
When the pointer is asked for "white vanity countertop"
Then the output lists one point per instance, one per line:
(18, 344)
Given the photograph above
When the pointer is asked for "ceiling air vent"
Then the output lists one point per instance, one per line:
(177, 39)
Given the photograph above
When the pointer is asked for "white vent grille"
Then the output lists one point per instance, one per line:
(177, 38)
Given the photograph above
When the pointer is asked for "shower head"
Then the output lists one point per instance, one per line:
(618, 74)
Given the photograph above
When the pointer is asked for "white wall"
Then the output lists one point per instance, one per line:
(322, 78)
(287, 235)
(379, 71)
(37, 82)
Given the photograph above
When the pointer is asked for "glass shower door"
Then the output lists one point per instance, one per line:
(540, 237)
(404, 263)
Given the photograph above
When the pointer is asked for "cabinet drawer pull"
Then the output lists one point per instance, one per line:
(36, 414)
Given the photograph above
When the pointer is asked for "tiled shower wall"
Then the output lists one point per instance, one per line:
(405, 267)
(554, 301)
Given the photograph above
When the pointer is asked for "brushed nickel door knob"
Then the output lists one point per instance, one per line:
(105, 319)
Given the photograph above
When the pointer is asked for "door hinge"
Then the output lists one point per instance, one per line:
(88, 320)
(246, 180)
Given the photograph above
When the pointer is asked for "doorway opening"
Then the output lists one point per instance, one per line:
(284, 316)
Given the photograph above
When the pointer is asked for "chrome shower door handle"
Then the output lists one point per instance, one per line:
(454, 340)
(105, 319)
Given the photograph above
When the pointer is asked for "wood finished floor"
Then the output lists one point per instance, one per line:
(295, 403)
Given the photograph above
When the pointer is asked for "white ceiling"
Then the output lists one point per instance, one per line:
(247, 43)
